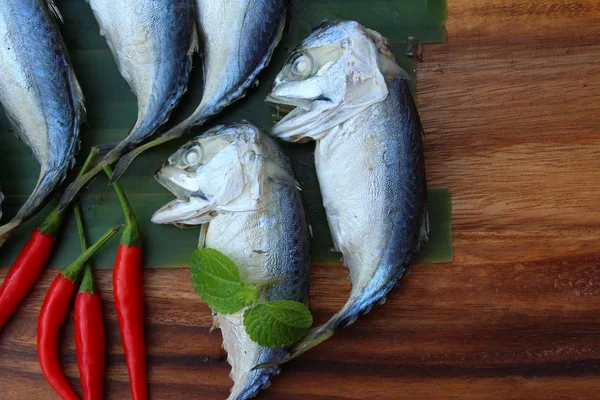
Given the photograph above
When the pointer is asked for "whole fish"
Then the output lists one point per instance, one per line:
(152, 42)
(236, 180)
(353, 99)
(40, 95)
(239, 37)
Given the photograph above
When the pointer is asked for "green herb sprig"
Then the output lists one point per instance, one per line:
(271, 324)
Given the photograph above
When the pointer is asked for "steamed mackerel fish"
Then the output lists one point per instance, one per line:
(236, 180)
(353, 99)
(238, 39)
(40, 95)
(152, 43)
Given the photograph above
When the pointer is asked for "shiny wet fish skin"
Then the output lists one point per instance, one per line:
(354, 100)
(40, 94)
(238, 39)
(152, 43)
(236, 179)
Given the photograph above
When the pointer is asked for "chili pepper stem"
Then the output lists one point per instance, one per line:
(131, 232)
(54, 220)
(87, 283)
(73, 270)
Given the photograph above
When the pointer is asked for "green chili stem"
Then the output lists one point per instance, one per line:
(87, 284)
(131, 233)
(54, 220)
(73, 270)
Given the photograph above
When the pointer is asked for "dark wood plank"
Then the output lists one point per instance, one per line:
(511, 109)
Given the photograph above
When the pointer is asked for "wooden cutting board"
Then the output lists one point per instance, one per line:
(511, 106)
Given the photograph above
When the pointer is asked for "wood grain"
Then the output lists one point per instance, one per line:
(512, 112)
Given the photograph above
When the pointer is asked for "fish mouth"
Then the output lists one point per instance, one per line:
(165, 175)
(192, 211)
(289, 101)
(305, 114)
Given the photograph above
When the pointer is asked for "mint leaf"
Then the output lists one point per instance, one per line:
(278, 323)
(217, 281)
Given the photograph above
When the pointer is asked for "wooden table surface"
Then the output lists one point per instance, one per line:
(511, 106)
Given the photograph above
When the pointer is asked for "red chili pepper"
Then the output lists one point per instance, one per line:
(53, 314)
(26, 269)
(128, 286)
(90, 341)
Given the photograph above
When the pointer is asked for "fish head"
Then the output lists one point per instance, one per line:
(216, 172)
(334, 74)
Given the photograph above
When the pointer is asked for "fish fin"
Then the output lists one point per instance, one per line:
(106, 148)
(425, 229)
(78, 97)
(202, 237)
(216, 323)
(54, 10)
(195, 44)
(279, 175)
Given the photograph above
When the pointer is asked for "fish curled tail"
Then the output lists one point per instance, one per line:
(356, 306)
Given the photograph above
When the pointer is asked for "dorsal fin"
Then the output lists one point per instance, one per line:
(54, 10)
(279, 175)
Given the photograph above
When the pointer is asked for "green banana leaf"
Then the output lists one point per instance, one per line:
(111, 109)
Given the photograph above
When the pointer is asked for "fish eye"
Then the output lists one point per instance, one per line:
(302, 66)
(192, 156)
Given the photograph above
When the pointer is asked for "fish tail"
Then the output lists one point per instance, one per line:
(47, 182)
(8, 229)
(78, 184)
(354, 308)
(313, 339)
(259, 380)
(128, 158)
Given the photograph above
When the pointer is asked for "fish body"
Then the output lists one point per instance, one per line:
(354, 100)
(152, 42)
(40, 95)
(241, 185)
(238, 39)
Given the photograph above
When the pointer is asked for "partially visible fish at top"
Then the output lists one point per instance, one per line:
(237, 181)
(152, 42)
(40, 95)
(351, 97)
(238, 39)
